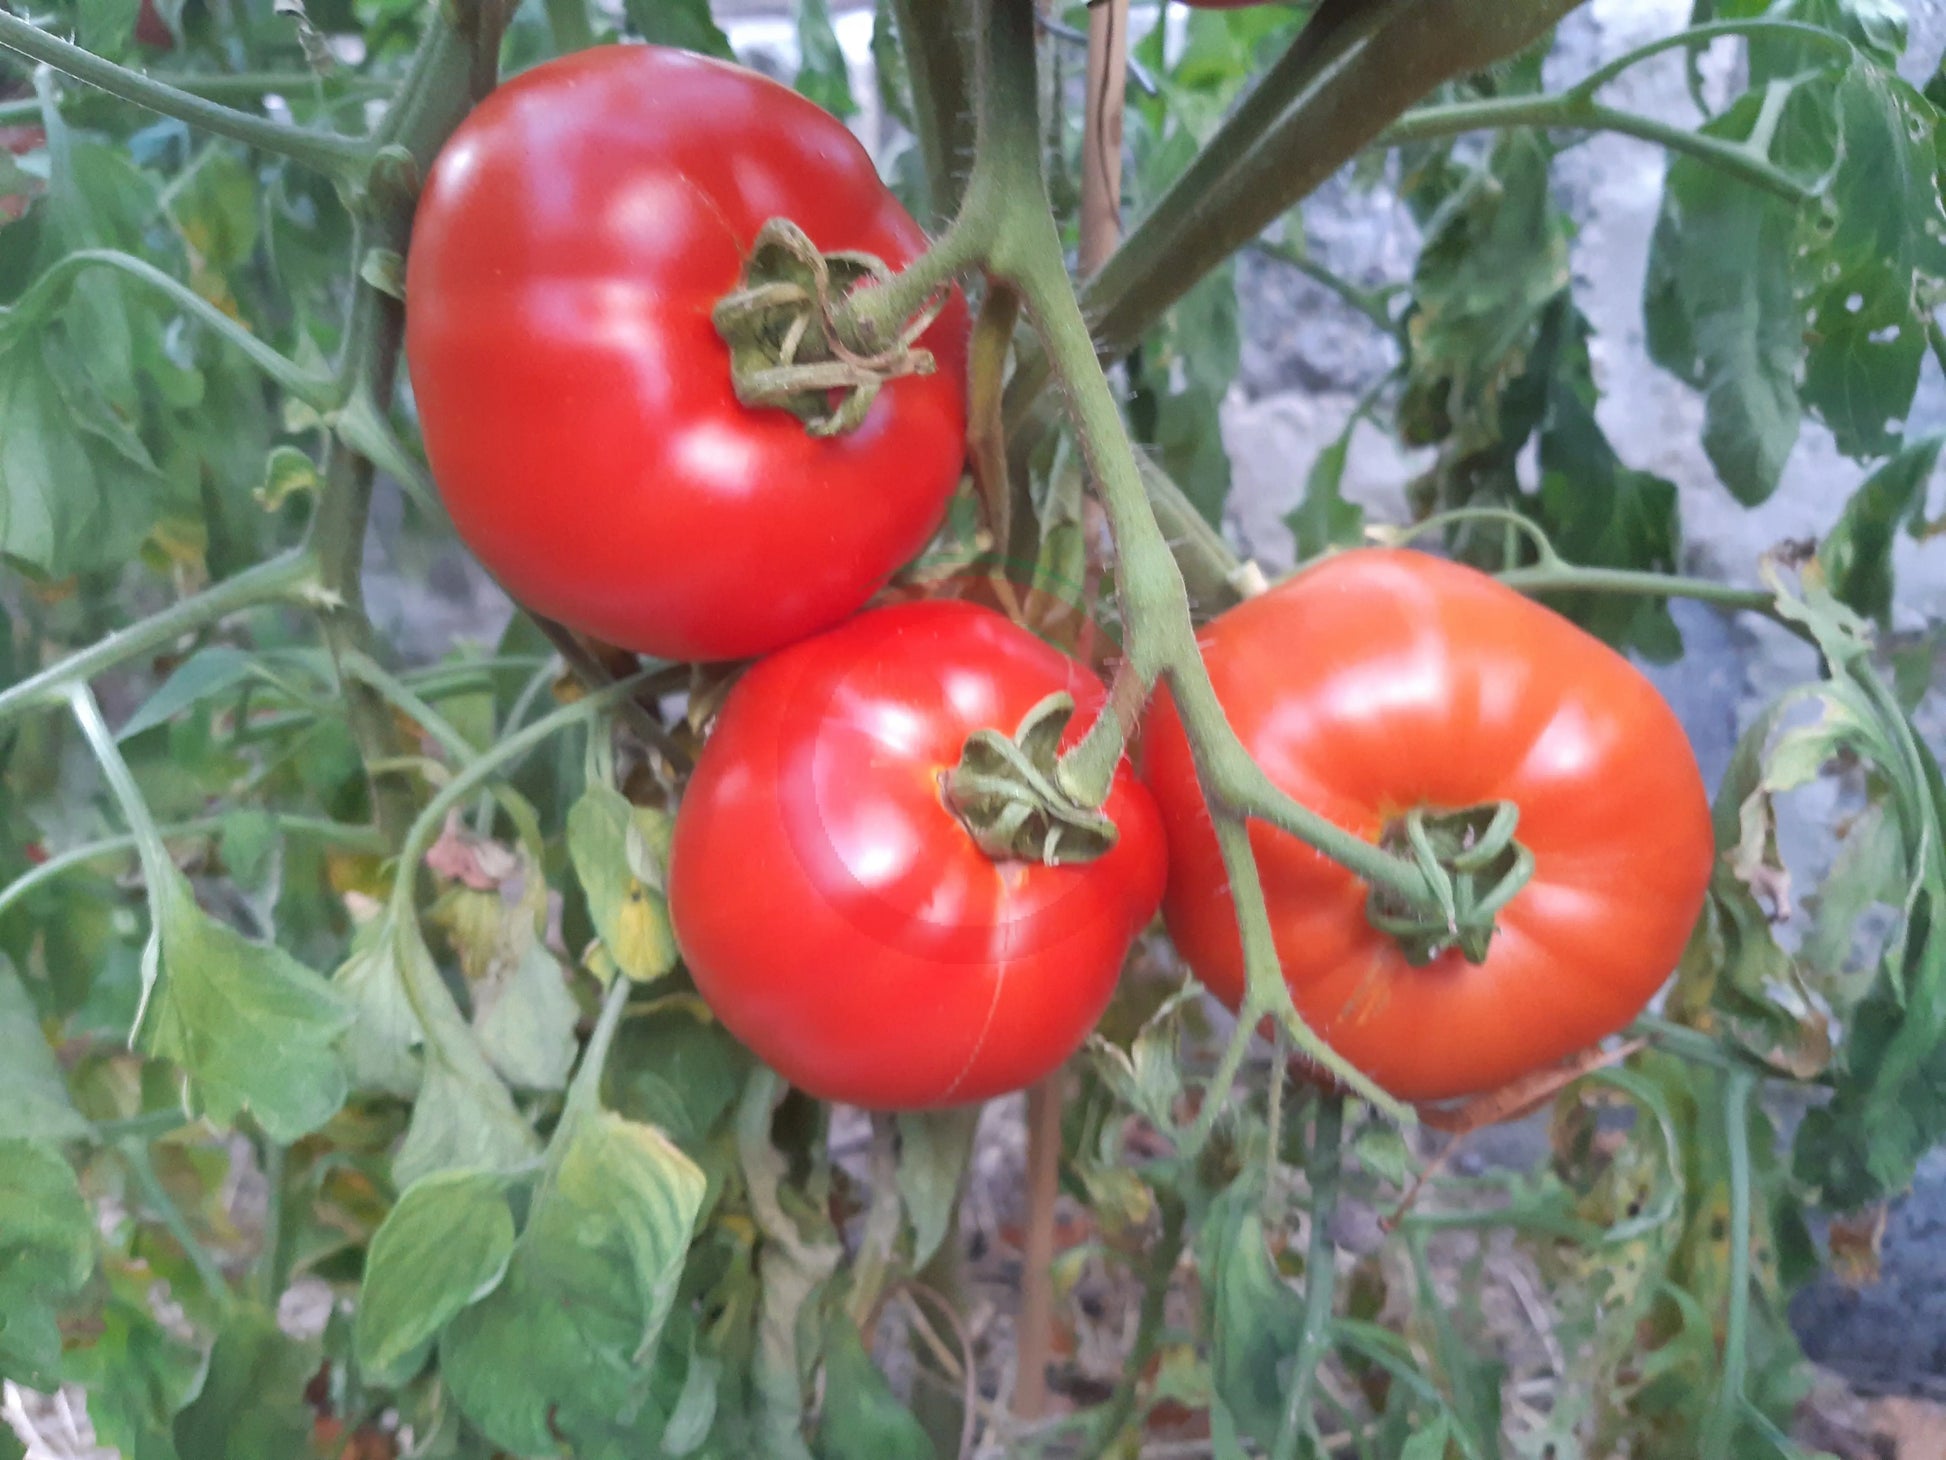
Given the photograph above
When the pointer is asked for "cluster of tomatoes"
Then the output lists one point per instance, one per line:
(831, 903)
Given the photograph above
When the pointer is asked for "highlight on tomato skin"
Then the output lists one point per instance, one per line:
(1381, 680)
(573, 238)
(837, 915)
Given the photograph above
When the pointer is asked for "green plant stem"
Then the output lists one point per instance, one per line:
(1106, 1427)
(341, 158)
(1320, 1271)
(936, 68)
(1026, 252)
(584, 1094)
(337, 833)
(437, 92)
(401, 696)
(1368, 302)
(273, 1264)
(235, 85)
(1576, 110)
(1703, 35)
(292, 578)
(425, 828)
(1719, 1431)
(149, 1126)
(1685, 1043)
(1570, 578)
(156, 1196)
(314, 390)
(149, 847)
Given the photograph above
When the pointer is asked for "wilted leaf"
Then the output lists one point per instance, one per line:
(618, 851)
(380, 1044)
(1857, 551)
(525, 1019)
(1255, 1318)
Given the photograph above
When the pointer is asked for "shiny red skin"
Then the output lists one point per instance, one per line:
(1379, 680)
(571, 241)
(835, 913)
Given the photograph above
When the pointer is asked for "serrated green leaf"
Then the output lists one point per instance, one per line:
(34, 1102)
(47, 1251)
(1857, 552)
(862, 1416)
(251, 1026)
(559, 1348)
(445, 1245)
(934, 1147)
(618, 850)
(683, 23)
(203, 675)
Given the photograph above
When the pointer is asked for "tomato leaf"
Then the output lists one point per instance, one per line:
(1857, 551)
(203, 675)
(1324, 519)
(1255, 1319)
(47, 1251)
(445, 1245)
(250, 1025)
(252, 1399)
(525, 1018)
(682, 23)
(822, 73)
(862, 1416)
(618, 850)
(934, 1148)
(380, 1044)
(559, 1349)
(34, 1102)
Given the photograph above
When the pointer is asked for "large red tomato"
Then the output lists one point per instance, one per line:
(572, 240)
(837, 915)
(1378, 681)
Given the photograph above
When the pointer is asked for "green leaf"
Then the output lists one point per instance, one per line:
(250, 1025)
(821, 72)
(1324, 519)
(934, 1147)
(1429, 1443)
(203, 675)
(1255, 1319)
(47, 1251)
(445, 1245)
(380, 1044)
(683, 23)
(252, 1401)
(618, 850)
(34, 1103)
(862, 1416)
(287, 472)
(1857, 551)
(1723, 311)
(525, 1018)
(559, 1348)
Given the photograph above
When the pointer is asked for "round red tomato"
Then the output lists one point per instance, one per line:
(1379, 681)
(837, 915)
(572, 240)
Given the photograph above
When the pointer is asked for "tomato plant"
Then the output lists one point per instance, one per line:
(577, 400)
(920, 971)
(1425, 685)
(583, 1020)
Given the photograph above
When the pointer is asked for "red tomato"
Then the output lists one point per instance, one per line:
(835, 913)
(571, 242)
(18, 141)
(1378, 681)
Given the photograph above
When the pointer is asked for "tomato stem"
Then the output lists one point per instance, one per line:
(1325, 1166)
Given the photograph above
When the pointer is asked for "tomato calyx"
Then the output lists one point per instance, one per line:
(1006, 793)
(1473, 865)
(785, 326)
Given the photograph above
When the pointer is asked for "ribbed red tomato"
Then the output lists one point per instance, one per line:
(1377, 681)
(570, 245)
(837, 915)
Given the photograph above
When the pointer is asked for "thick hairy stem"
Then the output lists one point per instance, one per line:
(342, 158)
(292, 578)
(437, 92)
